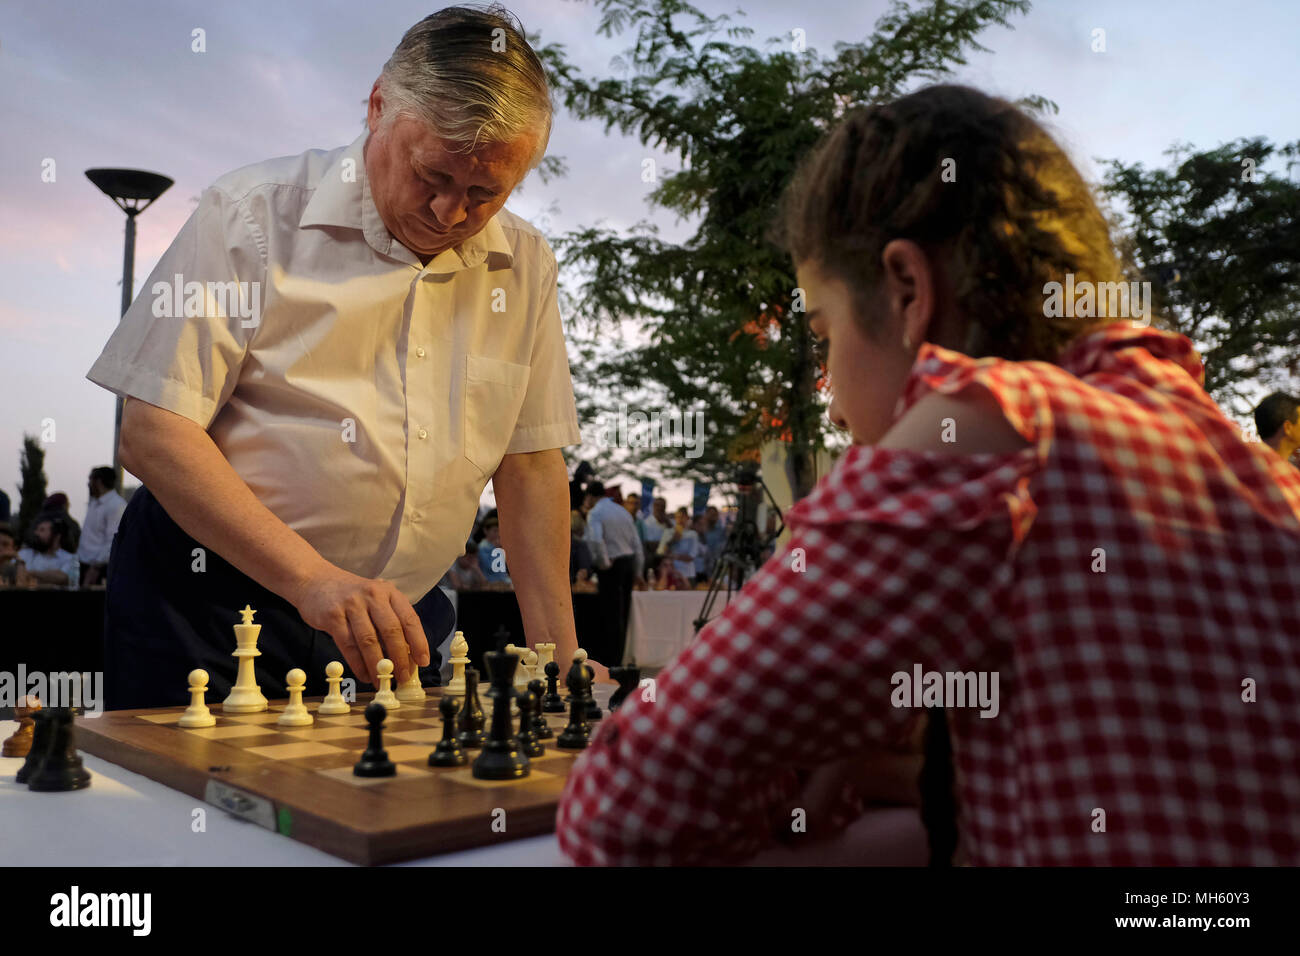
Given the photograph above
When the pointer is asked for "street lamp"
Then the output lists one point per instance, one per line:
(133, 190)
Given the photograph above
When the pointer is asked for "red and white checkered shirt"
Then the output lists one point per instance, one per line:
(1132, 577)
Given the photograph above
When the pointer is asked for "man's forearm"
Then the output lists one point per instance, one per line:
(49, 577)
(532, 494)
(186, 472)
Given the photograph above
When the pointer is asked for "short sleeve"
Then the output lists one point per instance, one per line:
(549, 416)
(182, 342)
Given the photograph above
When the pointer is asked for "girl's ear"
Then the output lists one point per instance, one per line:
(909, 293)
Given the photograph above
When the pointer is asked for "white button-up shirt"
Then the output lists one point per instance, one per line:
(364, 398)
(611, 532)
(102, 515)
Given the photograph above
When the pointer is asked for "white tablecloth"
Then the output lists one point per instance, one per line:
(662, 623)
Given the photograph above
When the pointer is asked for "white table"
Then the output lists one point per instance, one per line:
(662, 623)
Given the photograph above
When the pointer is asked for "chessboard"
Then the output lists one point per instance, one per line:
(298, 782)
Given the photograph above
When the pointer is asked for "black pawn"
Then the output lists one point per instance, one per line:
(448, 752)
(61, 770)
(40, 745)
(528, 741)
(374, 762)
(501, 758)
(629, 678)
(471, 734)
(593, 708)
(574, 736)
(541, 729)
(552, 703)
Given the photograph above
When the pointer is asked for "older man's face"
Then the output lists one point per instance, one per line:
(429, 194)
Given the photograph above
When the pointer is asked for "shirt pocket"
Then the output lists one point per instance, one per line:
(494, 394)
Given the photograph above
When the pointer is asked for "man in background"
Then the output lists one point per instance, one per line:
(102, 515)
(618, 555)
(1277, 419)
(47, 563)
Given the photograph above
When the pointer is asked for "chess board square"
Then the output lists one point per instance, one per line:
(465, 775)
(337, 734)
(265, 717)
(160, 718)
(227, 731)
(354, 719)
(429, 735)
(408, 752)
(305, 748)
(345, 775)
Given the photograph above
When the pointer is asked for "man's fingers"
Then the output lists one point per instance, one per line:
(414, 630)
(363, 633)
(394, 638)
(351, 656)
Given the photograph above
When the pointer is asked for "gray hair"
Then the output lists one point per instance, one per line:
(469, 73)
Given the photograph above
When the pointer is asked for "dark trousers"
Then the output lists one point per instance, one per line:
(172, 606)
(614, 591)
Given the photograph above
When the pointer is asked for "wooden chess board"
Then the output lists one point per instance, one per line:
(299, 782)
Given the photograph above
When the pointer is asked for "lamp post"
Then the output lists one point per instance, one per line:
(133, 190)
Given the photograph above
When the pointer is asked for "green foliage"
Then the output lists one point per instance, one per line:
(711, 314)
(32, 490)
(1223, 256)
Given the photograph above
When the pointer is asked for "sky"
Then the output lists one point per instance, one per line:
(88, 83)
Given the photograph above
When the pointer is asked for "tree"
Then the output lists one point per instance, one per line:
(31, 492)
(717, 314)
(1219, 240)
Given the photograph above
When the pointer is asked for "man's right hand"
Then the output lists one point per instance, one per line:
(368, 620)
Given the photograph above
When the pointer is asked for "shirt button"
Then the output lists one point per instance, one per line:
(419, 353)
(422, 433)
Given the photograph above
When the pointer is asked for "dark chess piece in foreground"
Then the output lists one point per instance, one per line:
(541, 729)
(593, 708)
(501, 758)
(40, 745)
(19, 743)
(60, 769)
(374, 762)
(448, 752)
(528, 742)
(574, 736)
(629, 678)
(471, 723)
(552, 703)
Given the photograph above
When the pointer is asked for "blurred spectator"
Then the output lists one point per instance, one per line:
(577, 487)
(491, 556)
(1277, 419)
(580, 564)
(617, 553)
(680, 547)
(47, 562)
(4, 508)
(56, 506)
(703, 557)
(465, 573)
(633, 505)
(653, 527)
(8, 556)
(102, 515)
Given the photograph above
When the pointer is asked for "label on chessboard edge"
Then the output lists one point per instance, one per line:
(241, 804)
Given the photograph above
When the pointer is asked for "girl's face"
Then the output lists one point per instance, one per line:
(867, 372)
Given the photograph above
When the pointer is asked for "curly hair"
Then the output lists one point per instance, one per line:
(1008, 214)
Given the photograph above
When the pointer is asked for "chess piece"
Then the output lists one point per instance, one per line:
(411, 691)
(522, 674)
(471, 735)
(530, 663)
(61, 769)
(593, 708)
(40, 745)
(541, 729)
(448, 752)
(295, 712)
(500, 638)
(578, 655)
(19, 743)
(629, 678)
(197, 713)
(245, 697)
(459, 658)
(574, 736)
(528, 742)
(334, 705)
(374, 761)
(552, 703)
(501, 758)
(545, 654)
(385, 693)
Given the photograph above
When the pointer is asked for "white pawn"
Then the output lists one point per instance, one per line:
(459, 658)
(385, 693)
(296, 713)
(411, 690)
(333, 705)
(197, 714)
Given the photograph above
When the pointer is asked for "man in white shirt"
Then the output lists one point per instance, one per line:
(618, 555)
(333, 358)
(48, 563)
(102, 516)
